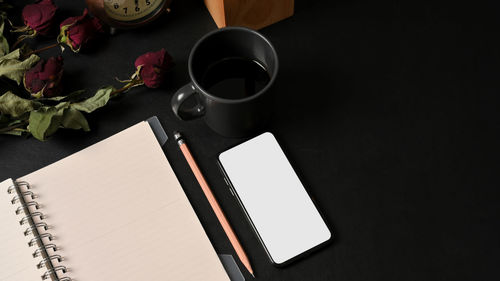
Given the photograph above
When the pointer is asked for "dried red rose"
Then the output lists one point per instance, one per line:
(79, 32)
(152, 67)
(40, 16)
(44, 79)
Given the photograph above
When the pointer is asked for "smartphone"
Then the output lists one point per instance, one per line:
(274, 200)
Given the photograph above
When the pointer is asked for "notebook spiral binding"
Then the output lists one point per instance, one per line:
(25, 198)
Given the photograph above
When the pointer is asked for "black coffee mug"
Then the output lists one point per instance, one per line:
(232, 71)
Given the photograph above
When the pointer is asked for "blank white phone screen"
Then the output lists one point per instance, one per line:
(281, 211)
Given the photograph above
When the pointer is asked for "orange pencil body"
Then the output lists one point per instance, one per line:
(214, 204)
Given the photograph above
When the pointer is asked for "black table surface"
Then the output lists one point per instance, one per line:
(389, 111)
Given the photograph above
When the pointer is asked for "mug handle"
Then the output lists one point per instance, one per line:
(180, 97)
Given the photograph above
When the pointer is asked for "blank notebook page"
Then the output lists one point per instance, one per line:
(16, 262)
(118, 212)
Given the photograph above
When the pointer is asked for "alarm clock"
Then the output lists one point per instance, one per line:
(127, 13)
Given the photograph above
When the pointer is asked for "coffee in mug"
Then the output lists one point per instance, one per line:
(232, 71)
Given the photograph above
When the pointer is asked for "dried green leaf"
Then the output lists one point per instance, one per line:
(16, 106)
(4, 119)
(98, 100)
(45, 121)
(8, 126)
(74, 119)
(4, 45)
(76, 95)
(13, 132)
(16, 54)
(13, 68)
(15, 122)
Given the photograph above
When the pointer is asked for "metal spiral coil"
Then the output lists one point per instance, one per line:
(39, 238)
(42, 263)
(18, 197)
(30, 229)
(31, 203)
(53, 271)
(26, 219)
(24, 197)
(38, 252)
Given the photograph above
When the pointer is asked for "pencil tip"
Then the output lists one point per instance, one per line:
(177, 135)
(251, 273)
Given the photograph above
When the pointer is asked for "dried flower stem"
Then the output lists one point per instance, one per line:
(31, 33)
(18, 41)
(131, 84)
(13, 127)
(41, 49)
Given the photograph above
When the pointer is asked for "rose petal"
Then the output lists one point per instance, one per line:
(153, 67)
(46, 76)
(39, 16)
(81, 30)
(150, 77)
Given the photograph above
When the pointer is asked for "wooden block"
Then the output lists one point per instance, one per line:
(254, 14)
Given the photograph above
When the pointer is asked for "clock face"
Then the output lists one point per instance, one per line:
(131, 10)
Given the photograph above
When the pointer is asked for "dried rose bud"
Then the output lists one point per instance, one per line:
(40, 16)
(152, 67)
(44, 79)
(78, 32)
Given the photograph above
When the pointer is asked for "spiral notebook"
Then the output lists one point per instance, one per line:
(113, 211)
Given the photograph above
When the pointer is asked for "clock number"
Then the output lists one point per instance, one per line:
(148, 2)
(125, 10)
(137, 9)
(116, 6)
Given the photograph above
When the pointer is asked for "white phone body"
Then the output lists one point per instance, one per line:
(273, 198)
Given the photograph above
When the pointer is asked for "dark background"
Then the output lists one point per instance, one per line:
(389, 111)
